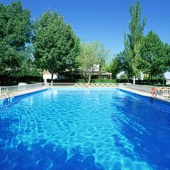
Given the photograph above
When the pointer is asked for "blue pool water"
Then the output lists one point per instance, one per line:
(84, 129)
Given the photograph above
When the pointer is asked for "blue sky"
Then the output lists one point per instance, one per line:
(105, 20)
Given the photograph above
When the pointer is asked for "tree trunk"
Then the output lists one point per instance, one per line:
(89, 78)
(52, 74)
(128, 78)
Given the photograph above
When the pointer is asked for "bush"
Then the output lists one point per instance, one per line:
(143, 82)
(124, 81)
(97, 81)
(9, 81)
(61, 81)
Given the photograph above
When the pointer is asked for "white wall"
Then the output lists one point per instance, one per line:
(48, 76)
(167, 75)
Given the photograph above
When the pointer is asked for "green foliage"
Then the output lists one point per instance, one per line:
(133, 40)
(55, 43)
(105, 67)
(15, 32)
(29, 63)
(55, 47)
(91, 55)
(167, 56)
(136, 26)
(6, 80)
(81, 81)
(103, 81)
(118, 64)
(97, 81)
(153, 55)
(124, 76)
(147, 54)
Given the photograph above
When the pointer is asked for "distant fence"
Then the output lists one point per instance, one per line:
(5, 91)
(160, 92)
(19, 87)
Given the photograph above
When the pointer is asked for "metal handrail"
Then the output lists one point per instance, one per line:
(17, 88)
(161, 92)
(5, 95)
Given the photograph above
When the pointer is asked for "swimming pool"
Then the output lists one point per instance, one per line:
(78, 129)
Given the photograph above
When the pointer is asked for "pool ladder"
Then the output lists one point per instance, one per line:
(5, 95)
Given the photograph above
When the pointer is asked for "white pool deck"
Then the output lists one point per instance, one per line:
(137, 92)
(21, 93)
(164, 97)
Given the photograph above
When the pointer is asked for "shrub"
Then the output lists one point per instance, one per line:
(97, 81)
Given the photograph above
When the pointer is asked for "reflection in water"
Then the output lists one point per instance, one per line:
(95, 130)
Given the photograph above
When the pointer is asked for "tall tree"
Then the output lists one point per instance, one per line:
(15, 33)
(29, 63)
(133, 40)
(91, 55)
(116, 65)
(154, 59)
(55, 43)
(167, 54)
(125, 64)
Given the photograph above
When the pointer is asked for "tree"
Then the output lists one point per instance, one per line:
(154, 58)
(91, 55)
(124, 64)
(115, 66)
(133, 40)
(167, 55)
(29, 63)
(15, 33)
(55, 43)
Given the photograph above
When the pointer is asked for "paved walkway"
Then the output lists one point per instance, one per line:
(160, 97)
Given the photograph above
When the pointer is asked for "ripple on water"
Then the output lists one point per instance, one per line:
(61, 130)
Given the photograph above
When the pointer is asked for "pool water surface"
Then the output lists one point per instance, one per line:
(84, 129)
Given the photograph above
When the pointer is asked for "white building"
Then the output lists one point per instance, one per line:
(167, 76)
(47, 75)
